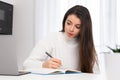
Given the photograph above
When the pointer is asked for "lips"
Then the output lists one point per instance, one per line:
(70, 34)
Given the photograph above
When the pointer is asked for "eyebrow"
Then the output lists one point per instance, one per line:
(71, 22)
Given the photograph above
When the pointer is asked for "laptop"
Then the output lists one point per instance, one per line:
(8, 58)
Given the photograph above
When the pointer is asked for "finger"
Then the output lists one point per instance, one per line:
(56, 60)
(55, 66)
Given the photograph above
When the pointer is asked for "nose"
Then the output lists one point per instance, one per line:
(72, 28)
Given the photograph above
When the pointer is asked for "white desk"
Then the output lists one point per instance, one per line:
(82, 76)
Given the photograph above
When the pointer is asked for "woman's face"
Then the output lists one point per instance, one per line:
(72, 26)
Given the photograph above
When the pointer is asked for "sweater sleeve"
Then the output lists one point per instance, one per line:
(38, 56)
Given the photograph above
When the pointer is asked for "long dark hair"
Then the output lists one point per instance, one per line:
(87, 51)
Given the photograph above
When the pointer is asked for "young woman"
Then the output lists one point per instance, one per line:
(71, 48)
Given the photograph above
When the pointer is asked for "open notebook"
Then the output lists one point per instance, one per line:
(46, 71)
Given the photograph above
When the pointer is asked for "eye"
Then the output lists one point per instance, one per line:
(68, 23)
(77, 26)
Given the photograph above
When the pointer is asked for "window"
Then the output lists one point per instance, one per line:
(49, 16)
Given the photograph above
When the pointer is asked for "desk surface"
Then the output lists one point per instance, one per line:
(82, 76)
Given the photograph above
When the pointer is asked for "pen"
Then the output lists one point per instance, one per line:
(48, 54)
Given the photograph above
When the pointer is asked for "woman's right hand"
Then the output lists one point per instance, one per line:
(52, 63)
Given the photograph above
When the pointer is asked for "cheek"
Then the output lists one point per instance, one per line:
(77, 32)
(66, 28)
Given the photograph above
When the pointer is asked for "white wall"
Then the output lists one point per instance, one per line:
(118, 22)
(23, 28)
(22, 39)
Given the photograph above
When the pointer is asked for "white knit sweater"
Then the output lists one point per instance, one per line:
(59, 46)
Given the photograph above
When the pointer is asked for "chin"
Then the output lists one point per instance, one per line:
(71, 36)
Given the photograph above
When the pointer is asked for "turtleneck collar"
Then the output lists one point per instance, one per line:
(70, 40)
